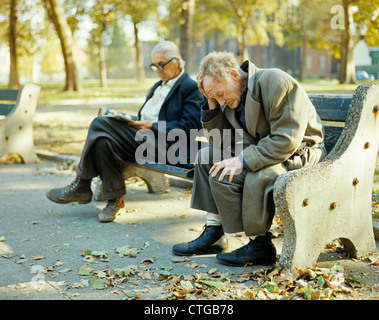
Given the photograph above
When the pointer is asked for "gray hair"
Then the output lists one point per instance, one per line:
(170, 50)
(218, 65)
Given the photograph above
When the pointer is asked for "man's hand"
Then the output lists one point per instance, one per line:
(212, 103)
(230, 166)
(142, 125)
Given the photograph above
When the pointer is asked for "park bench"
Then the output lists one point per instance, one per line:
(332, 199)
(17, 109)
(328, 201)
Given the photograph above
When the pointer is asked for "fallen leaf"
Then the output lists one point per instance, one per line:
(185, 284)
(98, 284)
(77, 285)
(214, 284)
(85, 270)
(65, 270)
(148, 261)
(144, 275)
(100, 254)
(179, 259)
(126, 271)
(132, 295)
(127, 251)
(38, 257)
(191, 265)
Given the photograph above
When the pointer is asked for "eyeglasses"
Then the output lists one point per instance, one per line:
(160, 67)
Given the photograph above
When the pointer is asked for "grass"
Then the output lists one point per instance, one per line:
(331, 85)
(52, 92)
(116, 89)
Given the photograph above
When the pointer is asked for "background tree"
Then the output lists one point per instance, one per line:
(13, 71)
(52, 60)
(361, 22)
(102, 14)
(250, 22)
(307, 26)
(120, 58)
(139, 11)
(63, 30)
(253, 21)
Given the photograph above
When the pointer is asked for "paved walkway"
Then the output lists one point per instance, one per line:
(41, 239)
(42, 244)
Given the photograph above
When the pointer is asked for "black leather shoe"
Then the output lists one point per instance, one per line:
(78, 191)
(260, 251)
(212, 240)
(109, 212)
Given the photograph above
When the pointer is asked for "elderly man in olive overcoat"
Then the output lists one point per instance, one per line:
(280, 131)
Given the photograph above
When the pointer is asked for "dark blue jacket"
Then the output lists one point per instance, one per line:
(180, 110)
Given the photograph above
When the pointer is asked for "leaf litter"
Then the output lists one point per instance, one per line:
(133, 279)
(273, 283)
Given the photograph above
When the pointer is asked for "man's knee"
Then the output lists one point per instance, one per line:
(208, 156)
(101, 144)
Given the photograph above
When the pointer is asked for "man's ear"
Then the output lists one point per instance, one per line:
(234, 74)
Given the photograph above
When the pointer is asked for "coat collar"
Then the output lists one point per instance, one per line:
(250, 67)
(251, 114)
(157, 84)
(177, 83)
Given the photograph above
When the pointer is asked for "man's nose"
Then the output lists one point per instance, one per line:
(221, 102)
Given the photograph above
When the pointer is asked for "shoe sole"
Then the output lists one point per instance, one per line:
(114, 217)
(248, 263)
(67, 202)
(202, 252)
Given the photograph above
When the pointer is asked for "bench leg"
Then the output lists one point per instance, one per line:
(156, 182)
(309, 227)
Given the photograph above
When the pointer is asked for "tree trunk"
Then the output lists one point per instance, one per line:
(102, 61)
(186, 38)
(304, 47)
(13, 71)
(139, 62)
(347, 66)
(65, 36)
(242, 48)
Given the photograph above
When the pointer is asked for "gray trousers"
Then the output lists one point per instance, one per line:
(219, 197)
(245, 204)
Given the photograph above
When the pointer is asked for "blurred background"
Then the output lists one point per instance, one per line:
(75, 45)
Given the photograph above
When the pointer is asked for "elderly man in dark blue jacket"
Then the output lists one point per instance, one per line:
(172, 105)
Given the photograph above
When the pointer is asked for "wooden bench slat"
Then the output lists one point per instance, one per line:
(169, 169)
(10, 95)
(332, 108)
(332, 135)
(6, 108)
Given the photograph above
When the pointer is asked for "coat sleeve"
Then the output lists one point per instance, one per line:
(286, 110)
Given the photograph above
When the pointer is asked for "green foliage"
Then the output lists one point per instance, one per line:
(250, 22)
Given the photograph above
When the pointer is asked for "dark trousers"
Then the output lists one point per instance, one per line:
(109, 143)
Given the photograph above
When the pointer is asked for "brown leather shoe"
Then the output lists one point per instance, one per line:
(109, 212)
(78, 191)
